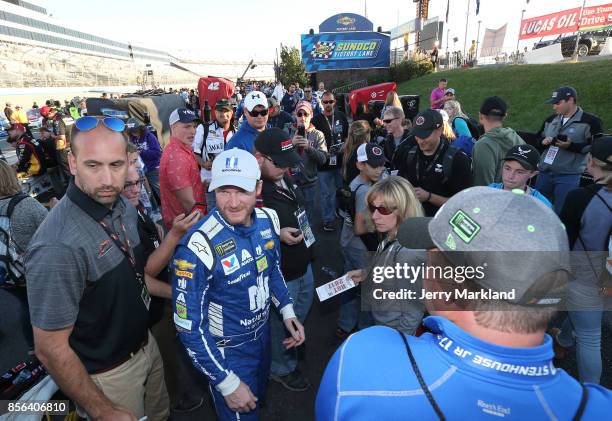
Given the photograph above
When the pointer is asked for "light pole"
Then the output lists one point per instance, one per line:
(467, 20)
(477, 41)
(578, 32)
(519, 34)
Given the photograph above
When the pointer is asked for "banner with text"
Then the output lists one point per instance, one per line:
(567, 21)
(357, 50)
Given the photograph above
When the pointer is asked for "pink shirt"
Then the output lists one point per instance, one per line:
(437, 93)
(178, 169)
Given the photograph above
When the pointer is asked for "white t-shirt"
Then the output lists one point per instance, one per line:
(215, 144)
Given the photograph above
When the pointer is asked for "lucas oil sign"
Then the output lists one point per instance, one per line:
(357, 50)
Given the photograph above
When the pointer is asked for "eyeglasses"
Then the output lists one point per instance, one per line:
(329, 101)
(389, 120)
(381, 209)
(276, 164)
(262, 113)
(307, 91)
(132, 184)
(300, 114)
(87, 123)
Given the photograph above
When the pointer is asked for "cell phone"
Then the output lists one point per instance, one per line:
(562, 137)
(296, 233)
(199, 206)
(301, 131)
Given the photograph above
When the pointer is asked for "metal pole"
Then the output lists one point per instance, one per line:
(447, 57)
(519, 34)
(578, 32)
(467, 20)
(477, 41)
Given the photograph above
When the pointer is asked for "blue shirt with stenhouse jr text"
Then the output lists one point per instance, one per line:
(370, 377)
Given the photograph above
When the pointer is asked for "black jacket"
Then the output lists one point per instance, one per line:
(340, 132)
(296, 258)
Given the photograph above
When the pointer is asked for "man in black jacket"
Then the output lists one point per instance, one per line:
(275, 154)
(334, 126)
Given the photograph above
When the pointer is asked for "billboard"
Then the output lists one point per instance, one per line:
(567, 21)
(493, 41)
(338, 51)
(346, 22)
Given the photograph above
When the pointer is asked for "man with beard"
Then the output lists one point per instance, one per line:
(29, 152)
(225, 274)
(88, 299)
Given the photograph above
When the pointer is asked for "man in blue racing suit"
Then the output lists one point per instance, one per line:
(225, 272)
(486, 355)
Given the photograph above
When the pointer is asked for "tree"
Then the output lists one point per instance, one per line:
(291, 67)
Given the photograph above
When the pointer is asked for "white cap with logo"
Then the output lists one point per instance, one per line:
(255, 98)
(235, 167)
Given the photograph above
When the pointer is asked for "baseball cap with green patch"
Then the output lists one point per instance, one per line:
(520, 239)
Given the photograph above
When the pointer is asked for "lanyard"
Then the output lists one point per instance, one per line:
(286, 192)
(431, 163)
(125, 248)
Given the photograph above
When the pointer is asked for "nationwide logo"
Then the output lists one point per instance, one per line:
(183, 264)
(230, 264)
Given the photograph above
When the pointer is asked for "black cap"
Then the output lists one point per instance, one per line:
(132, 124)
(426, 122)
(277, 144)
(494, 106)
(371, 154)
(601, 148)
(526, 155)
(562, 93)
(224, 104)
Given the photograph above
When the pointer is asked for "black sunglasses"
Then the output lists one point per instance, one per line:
(262, 113)
(389, 120)
(276, 164)
(301, 114)
(329, 101)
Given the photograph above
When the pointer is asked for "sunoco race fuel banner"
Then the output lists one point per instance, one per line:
(335, 51)
(567, 21)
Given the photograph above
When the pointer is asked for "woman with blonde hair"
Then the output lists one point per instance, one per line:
(459, 141)
(358, 133)
(390, 202)
(587, 216)
(457, 118)
(24, 215)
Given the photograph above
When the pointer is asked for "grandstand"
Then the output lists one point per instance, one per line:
(38, 51)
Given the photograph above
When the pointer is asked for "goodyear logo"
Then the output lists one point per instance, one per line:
(183, 273)
(183, 264)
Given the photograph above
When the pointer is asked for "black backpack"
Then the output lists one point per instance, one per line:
(12, 271)
(471, 124)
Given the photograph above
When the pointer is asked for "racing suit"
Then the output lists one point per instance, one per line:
(31, 157)
(468, 378)
(223, 278)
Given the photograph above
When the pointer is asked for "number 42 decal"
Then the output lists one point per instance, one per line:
(213, 86)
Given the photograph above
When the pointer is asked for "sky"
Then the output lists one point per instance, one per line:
(255, 28)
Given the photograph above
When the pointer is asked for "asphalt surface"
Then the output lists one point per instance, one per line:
(281, 404)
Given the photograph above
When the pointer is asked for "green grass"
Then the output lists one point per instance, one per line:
(525, 88)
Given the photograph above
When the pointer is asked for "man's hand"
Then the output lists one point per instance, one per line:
(182, 223)
(242, 399)
(421, 194)
(547, 141)
(300, 141)
(297, 335)
(116, 413)
(563, 144)
(357, 275)
(287, 237)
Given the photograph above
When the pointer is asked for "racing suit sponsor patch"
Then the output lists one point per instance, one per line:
(181, 306)
(198, 243)
(239, 278)
(269, 245)
(230, 264)
(267, 233)
(183, 273)
(181, 283)
(183, 264)
(215, 319)
(262, 264)
(246, 257)
(211, 227)
(225, 247)
(182, 323)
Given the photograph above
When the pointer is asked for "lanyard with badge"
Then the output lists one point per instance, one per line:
(300, 214)
(126, 249)
(553, 150)
(428, 168)
(335, 129)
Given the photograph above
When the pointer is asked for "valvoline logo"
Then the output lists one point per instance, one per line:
(230, 264)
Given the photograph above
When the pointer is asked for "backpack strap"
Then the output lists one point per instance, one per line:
(447, 162)
(14, 202)
(583, 402)
(206, 131)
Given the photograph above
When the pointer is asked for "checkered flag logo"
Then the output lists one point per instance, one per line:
(323, 49)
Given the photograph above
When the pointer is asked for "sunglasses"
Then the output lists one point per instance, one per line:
(87, 123)
(262, 113)
(301, 114)
(389, 120)
(328, 101)
(381, 209)
(307, 92)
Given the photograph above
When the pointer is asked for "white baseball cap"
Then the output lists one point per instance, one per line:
(255, 98)
(235, 167)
